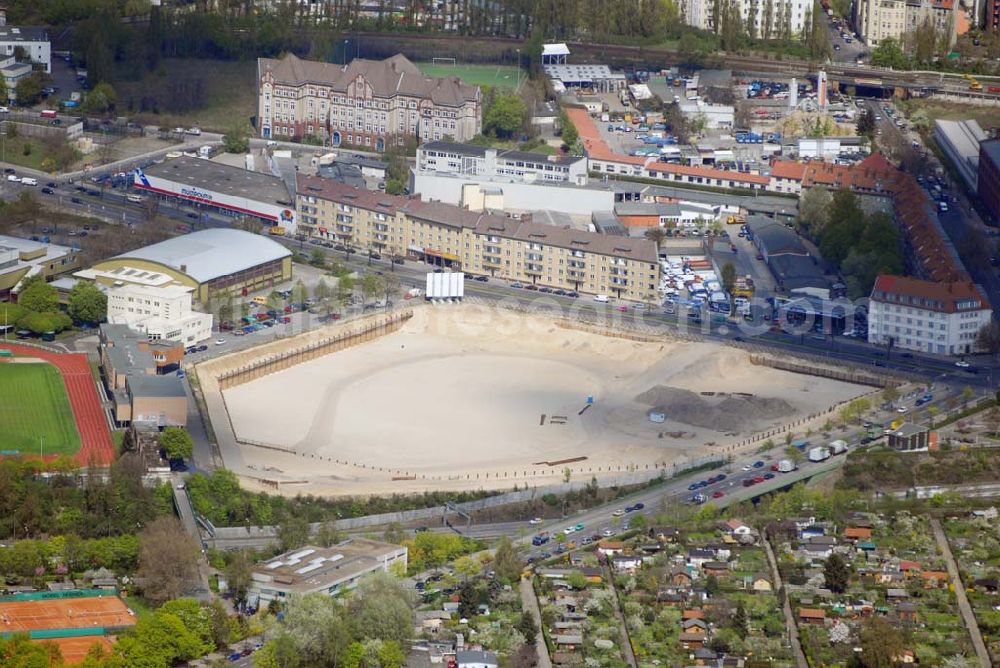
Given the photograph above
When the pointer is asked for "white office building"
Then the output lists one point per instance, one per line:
(159, 312)
(926, 316)
(470, 160)
(33, 40)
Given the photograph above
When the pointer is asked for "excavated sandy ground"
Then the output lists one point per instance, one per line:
(456, 391)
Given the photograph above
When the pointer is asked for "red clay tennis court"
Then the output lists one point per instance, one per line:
(74, 650)
(64, 613)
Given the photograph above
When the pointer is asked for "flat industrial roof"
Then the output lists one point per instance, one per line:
(209, 254)
(224, 179)
(577, 73)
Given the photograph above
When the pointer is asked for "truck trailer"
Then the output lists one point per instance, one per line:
(838, 447)
(819, 454)
(786, 466)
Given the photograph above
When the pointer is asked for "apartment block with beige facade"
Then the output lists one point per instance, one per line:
(878, 20)
(478, 243)
(363, 104)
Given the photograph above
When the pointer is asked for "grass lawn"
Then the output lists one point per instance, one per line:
(12, 150)
(138, 605)
(479, 75)
(230, 93)
(33, 407)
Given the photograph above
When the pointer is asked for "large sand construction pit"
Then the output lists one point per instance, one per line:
(457, 392)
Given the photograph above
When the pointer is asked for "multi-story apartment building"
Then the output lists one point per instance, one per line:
(363, 104)
(926, 316)
(877, 20)
(478, 243)
(988, 181)
(471, 160)
(699, 14)
(33, 40)
(991, 18)
(941, 14)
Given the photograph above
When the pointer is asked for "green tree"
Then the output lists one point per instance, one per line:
(988, 338)
(390, 654)
(300, 293)
(4, 95)
(101, 99)
(382, 608)
(814, 210)
(924, 40)
(889, 53)
(527, 627)
(317, 258)
(890, 394)
(466, 566)
(11, 313)
(29, 90)
(569, 133)
(86, 303)
(836, 573)
(37, 295)
(100, 59)
(506, 561)
(177, 443)
(739, 622)
(372, 285)
(168, 560)
(44, 323)
(505, 116)
(237, 139)
(882, 643)
(293, 531)
(238, 571)
(865, 124)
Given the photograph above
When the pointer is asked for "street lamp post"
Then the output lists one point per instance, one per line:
(518, 70)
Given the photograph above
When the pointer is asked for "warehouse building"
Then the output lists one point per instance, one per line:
(209, 261)
(220, 188)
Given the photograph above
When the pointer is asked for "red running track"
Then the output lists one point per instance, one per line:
(95, 438)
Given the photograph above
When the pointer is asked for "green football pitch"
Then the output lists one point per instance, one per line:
(35, 411)
(503, 76)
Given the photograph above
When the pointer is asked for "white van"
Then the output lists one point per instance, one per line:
(602, 299)
(28, 181)
(135, 199)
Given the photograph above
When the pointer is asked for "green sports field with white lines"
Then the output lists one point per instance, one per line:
(35, 411)
(504, 76)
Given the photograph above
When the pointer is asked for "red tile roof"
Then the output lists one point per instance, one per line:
(812, 613)
(708, 173)
(857, 532)
(788, 169)
(929, 295)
